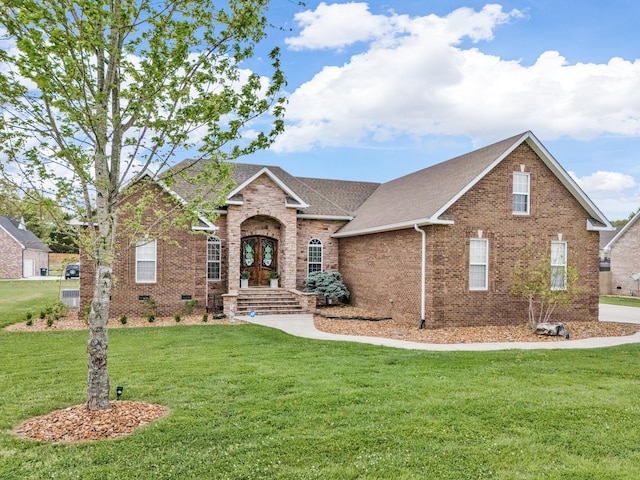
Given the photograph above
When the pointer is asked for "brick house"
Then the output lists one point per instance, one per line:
(22, 254)
(623, 251)
(437, 245)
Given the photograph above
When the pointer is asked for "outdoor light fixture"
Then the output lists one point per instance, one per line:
(119, 392)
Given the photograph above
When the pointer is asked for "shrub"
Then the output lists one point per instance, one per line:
(123, 319)
(176, 317)
(49, 322)
(205, 317)
(189, 305)
(29, 322)
(42, 314)
(29, 316)
(327, 284)
(150, 317)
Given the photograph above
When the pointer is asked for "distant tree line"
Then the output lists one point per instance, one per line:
(40, 215)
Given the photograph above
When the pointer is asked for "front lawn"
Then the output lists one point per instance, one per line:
(248, 402)
(624, 301)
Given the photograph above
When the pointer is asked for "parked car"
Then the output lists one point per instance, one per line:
(72, 271)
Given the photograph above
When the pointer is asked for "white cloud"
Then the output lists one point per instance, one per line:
(413, 77)
(605, 183)
(613, 192)
(337, 25)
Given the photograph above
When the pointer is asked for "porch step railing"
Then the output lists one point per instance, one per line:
(267, 301)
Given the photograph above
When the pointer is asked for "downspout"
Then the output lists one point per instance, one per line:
(423, 267)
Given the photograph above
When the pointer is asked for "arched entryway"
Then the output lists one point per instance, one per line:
(259, 257)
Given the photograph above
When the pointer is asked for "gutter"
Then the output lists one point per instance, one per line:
(423, 268)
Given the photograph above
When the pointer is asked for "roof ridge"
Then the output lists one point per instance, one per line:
(299, 179)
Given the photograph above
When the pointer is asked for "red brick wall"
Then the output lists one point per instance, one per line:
(11, 258)
(180, 268)
(625, 261)
(383, 270)
(322, 230)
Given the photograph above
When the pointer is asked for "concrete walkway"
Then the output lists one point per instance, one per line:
(302, 326)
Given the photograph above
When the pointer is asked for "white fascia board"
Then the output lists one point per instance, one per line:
(480, 176)
(622, 231)
(182, 202)
(280, 183)
(393, 226)
(311, 216)
(557, 170)
(14, 238)
(569, 183)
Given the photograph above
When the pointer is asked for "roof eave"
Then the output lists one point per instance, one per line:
(622, 231)
(265, 170)
(393, 226)
(311, 216)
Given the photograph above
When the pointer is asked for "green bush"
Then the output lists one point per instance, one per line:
(123, 319)
(205, 317)
(176, 317)
(189, 305)
(327, 284)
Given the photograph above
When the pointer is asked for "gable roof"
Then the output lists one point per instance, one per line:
(312, 197)
(622, 231)
(21, 235)
(420, 198)
(424, 197)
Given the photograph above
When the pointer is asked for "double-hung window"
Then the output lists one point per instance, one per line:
(521, 193)
(213, 258)
(558, 265)
(146, 261)
(314, 259)
(478, 264)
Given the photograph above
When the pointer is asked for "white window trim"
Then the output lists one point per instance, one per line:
(155, 260)
(485, 264)
(215, 240)
(554, 263)
(316, 243)
(527, 193)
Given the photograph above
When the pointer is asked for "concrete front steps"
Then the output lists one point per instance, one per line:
(267, 301)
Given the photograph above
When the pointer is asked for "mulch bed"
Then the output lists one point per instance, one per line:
(333, 320)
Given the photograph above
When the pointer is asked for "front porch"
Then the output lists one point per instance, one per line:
(268, 301)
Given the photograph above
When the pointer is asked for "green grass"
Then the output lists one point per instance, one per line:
(249, 402)
(18, 298)
(624, 301)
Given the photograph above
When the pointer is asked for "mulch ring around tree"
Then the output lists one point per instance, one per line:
(77, 424)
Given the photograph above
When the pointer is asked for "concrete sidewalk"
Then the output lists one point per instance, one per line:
(302, 326)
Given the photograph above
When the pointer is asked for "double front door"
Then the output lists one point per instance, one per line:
(259, 258)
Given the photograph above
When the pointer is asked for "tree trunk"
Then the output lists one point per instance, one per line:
(98, 377)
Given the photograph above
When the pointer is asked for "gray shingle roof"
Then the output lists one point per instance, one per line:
(419, 198)
(324, 197)
(26, 238)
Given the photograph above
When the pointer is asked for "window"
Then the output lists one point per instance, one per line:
(478, 264)
(521, 191)
(314, 262)
(146, 262)
(213, 258)
(558, 265)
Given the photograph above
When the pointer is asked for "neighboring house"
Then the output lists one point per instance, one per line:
(438, 245)
(22, 254)
(623, 251)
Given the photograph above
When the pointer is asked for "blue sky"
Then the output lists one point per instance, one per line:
(380, 89)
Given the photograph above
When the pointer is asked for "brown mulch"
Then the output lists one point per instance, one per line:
(77, 424)
(346, 320)
(71, 322)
